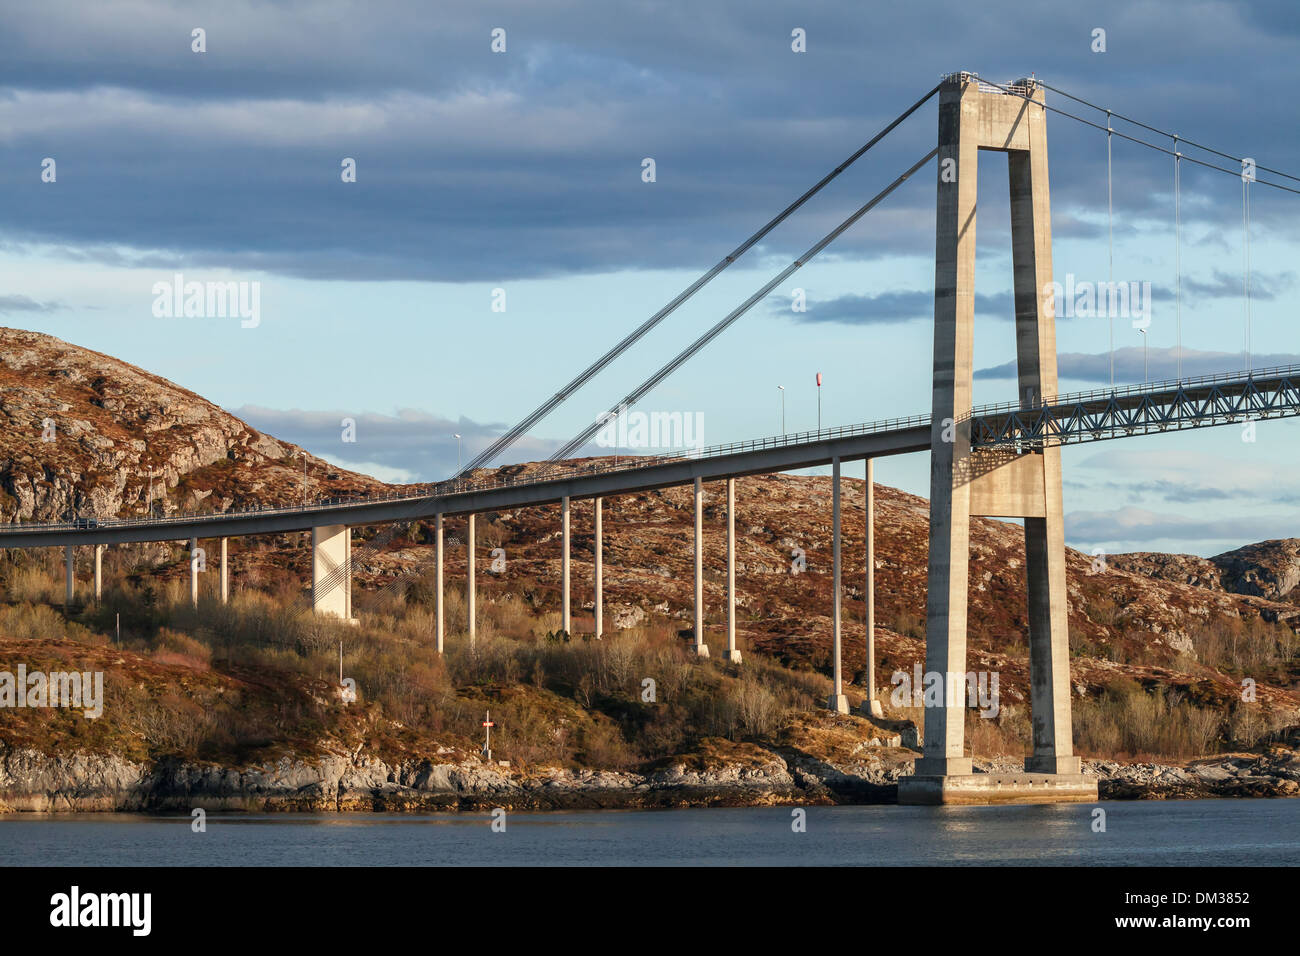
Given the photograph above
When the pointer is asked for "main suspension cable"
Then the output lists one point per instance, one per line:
(513, 435)
(640, 391)
(1152, 129)
(1143, 142)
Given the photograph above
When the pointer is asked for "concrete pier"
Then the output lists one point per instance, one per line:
(194, 572)
(331, 570)
(733, 654)
(438, 612)
(99, 572)
(598, 549)
(471, 607)
(225, 572)
(871, 706)
(701, 649)
(566, 617)
(838, 702)
(1026, 485)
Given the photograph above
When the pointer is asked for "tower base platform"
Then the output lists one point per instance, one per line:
(989, 788)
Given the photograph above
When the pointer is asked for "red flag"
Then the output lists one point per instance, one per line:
(819, 379)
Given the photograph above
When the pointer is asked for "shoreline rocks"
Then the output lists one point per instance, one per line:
(31, 781)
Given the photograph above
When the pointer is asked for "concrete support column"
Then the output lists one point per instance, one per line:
(566, 619)
(194, 572)
(838, 701)
(733, 654)
(69, 582)
(225, 572)
(471, 608)
(331, 570)
(701, 648)
(99, 572)
(437, 584)
(871, 706)
(598, 602)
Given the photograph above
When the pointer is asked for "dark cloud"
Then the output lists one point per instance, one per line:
(474, 165)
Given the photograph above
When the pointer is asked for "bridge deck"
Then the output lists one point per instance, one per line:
(1085, 416)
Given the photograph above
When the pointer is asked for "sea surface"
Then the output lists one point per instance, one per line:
(1144, 833)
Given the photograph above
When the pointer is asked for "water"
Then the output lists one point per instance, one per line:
(1148, 833)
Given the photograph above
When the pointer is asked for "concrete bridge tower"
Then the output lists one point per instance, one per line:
(975, 116)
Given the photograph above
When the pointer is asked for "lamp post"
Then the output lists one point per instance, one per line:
(782, 389)
(1144, 355)
(457, 437)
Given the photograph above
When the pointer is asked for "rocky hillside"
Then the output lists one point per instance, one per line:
(1269, 569)
(238, 706)
(1141, 614)
(82, 432)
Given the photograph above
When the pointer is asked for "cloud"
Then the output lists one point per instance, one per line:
(1137, 526)
(21, 303)
(884, 307)
(410, 445)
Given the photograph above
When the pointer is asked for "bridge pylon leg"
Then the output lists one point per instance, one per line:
(701, 649)
(1009, 484)
(598, 572)
(733, 653)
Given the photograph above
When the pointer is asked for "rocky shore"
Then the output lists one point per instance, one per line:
(36, 782)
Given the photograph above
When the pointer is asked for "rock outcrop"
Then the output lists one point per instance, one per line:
(82, 433)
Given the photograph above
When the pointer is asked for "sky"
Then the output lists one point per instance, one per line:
(500, 233)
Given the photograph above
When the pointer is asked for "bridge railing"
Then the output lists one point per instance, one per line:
(559, 472)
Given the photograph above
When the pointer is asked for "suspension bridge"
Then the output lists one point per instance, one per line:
(993, 460)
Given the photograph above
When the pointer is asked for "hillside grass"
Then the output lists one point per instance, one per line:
(556, 699)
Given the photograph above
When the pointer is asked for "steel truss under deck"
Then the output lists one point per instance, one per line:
(1141, 410)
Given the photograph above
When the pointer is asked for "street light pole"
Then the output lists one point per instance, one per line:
(1144, 355)
(782, 388)
(457, 454)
